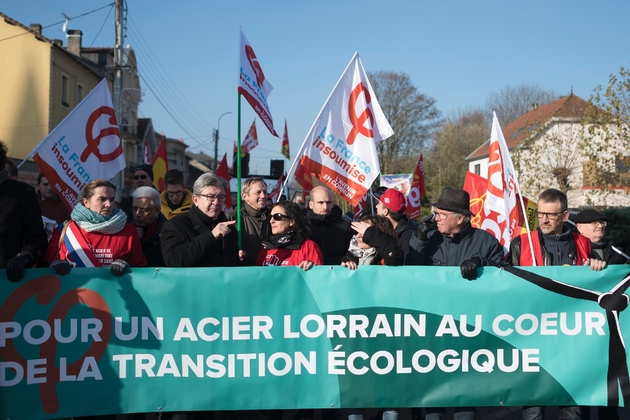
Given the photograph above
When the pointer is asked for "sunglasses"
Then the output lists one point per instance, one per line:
(279, 216)
(137, 177)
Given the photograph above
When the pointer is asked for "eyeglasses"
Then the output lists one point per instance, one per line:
(279, 216)
(550, 216)
(174, 193)
(440, 216)
(141, 210)
(212, 197)
(596, 223)
(137, 177)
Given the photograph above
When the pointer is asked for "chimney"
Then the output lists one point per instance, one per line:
(58, 42)
(37, 28)
(74, 41)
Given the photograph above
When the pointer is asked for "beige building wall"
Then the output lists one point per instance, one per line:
(24, 89)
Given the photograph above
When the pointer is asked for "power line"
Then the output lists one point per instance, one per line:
(103, 25)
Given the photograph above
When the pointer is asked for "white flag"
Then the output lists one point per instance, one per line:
(85, 146)
(500, 206)
(251, 140)
(340, 148)
(253, 84)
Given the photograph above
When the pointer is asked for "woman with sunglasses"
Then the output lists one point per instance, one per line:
(289, 242)
(98, 234)
(376, 242)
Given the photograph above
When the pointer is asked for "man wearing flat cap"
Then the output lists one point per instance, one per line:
(592, 224)
(455, 243)
(392, 205)
(142, 177)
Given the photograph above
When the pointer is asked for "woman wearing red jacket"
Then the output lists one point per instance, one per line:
(98, 234)
(289, 242)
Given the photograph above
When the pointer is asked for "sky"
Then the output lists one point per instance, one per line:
(457, 52)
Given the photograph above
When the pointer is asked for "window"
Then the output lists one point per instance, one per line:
(65, 85)
(478, 169)
(79, 93)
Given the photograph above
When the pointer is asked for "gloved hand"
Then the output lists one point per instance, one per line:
(469, 268)
(17, 265)
(427, 223)
(118, 267)
(61, 267)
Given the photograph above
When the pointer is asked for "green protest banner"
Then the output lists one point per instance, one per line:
(282, 338)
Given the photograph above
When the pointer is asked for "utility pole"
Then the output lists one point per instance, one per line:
(118, 80)
(216, 150)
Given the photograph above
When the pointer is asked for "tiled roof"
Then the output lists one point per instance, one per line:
(567, 107)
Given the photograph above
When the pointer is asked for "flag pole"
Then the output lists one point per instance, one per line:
(299, 153)
(238, 177)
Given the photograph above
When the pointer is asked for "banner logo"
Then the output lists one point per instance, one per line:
(93, 143)
(359, 121)
(253, 61)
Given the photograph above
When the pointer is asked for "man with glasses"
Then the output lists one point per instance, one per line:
(176, 199)
(592, 224)
(254, 217)
(202, 237)
(553, 244)
(149, 221)
(142, 177)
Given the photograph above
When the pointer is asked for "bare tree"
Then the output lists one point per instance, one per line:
(412, 115)
(462, 133)
(511, 102)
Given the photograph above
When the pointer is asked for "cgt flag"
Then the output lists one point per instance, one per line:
(85, 146)
(251, 140)
(274, 195)
(340, 148)
(304, 177)
(416, 191)
(160, 165)
(285, 143)
(253, 85)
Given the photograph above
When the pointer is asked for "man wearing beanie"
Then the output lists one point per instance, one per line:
(592, 224)
(392, 204)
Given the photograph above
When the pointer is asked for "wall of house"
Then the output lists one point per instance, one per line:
(24, 89)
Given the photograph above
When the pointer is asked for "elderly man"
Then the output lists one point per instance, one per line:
(455, 243)
(328, 227)
(392, 204)
(149, 221)
(254, 216)
(142, 177)
(592, 224)
(49, 202)
(176, 199)
(22, 236)
(203, 237)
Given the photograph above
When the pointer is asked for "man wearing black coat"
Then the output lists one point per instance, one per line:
(592, 224)
(22, 237)
(392, 204)
(203, 237)
(149, 220)
(328, 227)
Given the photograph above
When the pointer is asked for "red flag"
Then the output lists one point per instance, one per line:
(359, 208)
(416, 191)
(304, 177)
(275, 191)
(285, 142)
(222, 172)
(160, 165)
(251, 140)
(147, 159)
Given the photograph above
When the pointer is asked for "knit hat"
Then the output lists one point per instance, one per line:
(588, 216)
(454, 200)
(146, 168)
(394, 200)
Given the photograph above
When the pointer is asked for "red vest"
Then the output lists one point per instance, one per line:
(582, 248)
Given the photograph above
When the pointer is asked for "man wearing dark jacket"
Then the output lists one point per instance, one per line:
(592, 224)
(22, 237)
(328, 227)
(49, 202)
(203, 237)
(392, 204)
(254, 217)
(149, 220)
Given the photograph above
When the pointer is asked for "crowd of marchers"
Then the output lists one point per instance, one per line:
(181, 228)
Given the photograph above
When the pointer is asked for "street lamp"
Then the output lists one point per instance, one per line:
(216, 141)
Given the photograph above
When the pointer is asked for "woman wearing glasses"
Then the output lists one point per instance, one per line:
(203, 237)
(289, 242)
